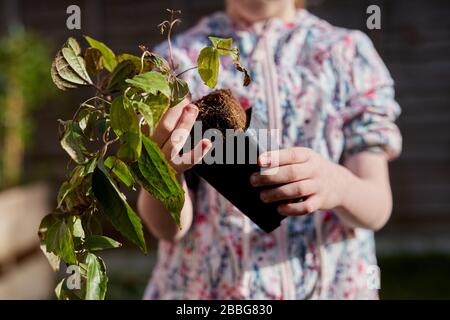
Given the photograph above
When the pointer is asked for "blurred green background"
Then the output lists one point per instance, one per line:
(413, 249)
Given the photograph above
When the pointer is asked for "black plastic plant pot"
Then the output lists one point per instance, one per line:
(230, 176)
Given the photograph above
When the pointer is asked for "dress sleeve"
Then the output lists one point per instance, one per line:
(368, 105)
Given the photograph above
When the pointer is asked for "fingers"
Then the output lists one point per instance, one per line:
(180, 132)
(282, 175)
(168, 123)
(284, 157)
(300, 208)
(191, 158)
(289, 191)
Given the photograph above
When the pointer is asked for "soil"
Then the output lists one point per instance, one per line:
(221, 110)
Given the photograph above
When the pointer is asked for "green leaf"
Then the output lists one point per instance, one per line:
(71, 53)
(73, 195)
(77, 227)
(83, 118)
(59, 291)
(66, 72)
(116, 208)
(87, 119)
(159, 105)
(73, 44)
(235, 55)
(159, 62)
(180, 90)
(98, 243)
(64, 190)
(109, 58)
(124, 70)
(151, 82)
(129, 57)
(75, 224)
(130, 147)
(136, 61)
(57, 237)
(122, 117)
(62, 292)
(72, 141)
(120, 170)
(145, 111)
(102, 125)
(208, 66)
(52, 258)
(223, 45)
(156, 176)
(90, 166)
(58, 81)
(77, 63)
(91, 224)
(152, 109)
(94, 61)
(97, 280)
(125, 124)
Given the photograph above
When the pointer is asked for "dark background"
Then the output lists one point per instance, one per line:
(413, 41)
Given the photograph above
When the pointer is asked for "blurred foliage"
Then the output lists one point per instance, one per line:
(25, 59)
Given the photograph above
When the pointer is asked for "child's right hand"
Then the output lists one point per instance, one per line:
(172, 133)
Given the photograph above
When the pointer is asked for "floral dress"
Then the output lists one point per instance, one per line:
(327, 89)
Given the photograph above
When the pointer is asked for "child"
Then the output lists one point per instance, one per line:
(329, 92)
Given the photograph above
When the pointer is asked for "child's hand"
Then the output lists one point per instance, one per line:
(300, 172)
(172, 132)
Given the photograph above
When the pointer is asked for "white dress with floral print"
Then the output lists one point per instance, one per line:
(327, 89)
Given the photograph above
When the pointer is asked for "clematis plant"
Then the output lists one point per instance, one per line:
(110, 150)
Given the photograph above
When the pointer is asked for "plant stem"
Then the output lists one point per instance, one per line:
(183, 72)
(96, 97)
(84, 104)
(107, 143)
(169, 42)
(100, 90)
(170, 25)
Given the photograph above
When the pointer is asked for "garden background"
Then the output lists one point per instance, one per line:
(413, 249)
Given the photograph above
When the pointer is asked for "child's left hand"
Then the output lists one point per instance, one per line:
(300, 172)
